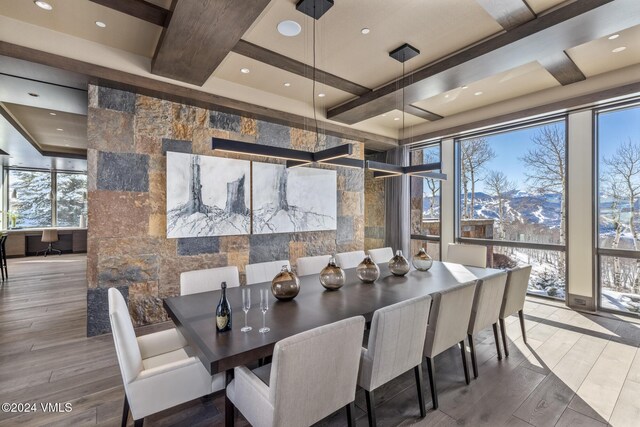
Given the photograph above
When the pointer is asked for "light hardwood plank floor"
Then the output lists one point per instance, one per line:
(575, 369)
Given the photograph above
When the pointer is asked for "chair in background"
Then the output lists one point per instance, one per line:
(469, 255)
(196, 281)
(381, 255)
(448, 323)
(308, 265)
(513, 300)
(3, 256)
(157, 370)
(396, 343)
(49, 235)
(313, 374)
(485, 312)
(264, 271)
(349, 259)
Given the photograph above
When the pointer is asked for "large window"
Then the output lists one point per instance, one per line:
(425, 203)
(512, 198)
(37, 198)
(618, 190)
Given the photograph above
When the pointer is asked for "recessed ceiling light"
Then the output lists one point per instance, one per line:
(478, 93)
(60, 129)
(321, 95)
(101, 24)
(365, 31)
(384, 115)
(287, 84)
(245, 70)
(35, 95)
(446, 96)
(52, 113)
(619, 49)
(614, 36)
(396, 118)
(43, 5)
(289, 28)
(465, 87)
(66, 145)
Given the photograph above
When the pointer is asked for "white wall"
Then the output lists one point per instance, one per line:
(447, 205)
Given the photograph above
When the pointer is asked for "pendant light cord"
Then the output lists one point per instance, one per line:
(313, 95)
(403, 104)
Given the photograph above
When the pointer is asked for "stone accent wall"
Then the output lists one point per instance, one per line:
(129, 135)
(374, 208)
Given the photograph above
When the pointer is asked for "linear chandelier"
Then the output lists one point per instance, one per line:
(386, 170)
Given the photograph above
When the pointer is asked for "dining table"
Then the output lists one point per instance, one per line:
(314, 306)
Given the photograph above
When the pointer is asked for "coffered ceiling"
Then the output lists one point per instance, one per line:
(474, 54)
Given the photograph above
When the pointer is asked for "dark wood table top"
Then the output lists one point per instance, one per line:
(194, 315)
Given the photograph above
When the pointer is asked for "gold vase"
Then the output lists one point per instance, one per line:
(422, 261)
(286, 285)
(399, 265)
(332, 276)
(368, 271)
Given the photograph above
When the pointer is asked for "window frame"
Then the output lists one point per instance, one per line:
(599, 252)
(511, 243)
(54, 190)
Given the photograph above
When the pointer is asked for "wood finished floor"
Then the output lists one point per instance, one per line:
(575, 370)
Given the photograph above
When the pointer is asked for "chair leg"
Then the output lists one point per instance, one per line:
(432, 383)
(229, 407)
(418, 372)
(503, 331)
(524, 332)
(351, 414)
(371, 410)
(472, 350)
(138, 423)
(495, 337)
(125, 411)
(463, 352)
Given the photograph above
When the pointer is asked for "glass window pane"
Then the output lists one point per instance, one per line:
(425, 195)
(513, 185)
(30, 198)
(433, 248)
(620, 283)
(72, 199)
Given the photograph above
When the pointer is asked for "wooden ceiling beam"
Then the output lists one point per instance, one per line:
(560, 29)
(508, 13)
(140, 9)
(422, 113)
(199, 36)
(562, 68)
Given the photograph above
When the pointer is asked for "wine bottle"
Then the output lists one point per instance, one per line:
(223, 311)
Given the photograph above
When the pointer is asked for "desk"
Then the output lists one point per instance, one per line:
(24, 241)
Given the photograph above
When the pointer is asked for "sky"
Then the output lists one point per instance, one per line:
(615, 127)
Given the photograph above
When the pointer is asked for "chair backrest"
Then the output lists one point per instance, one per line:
(49, 235)
(124, 337)
(381, 255)
(396, 341)
(487, 302)
(470, 255)
(311, 264)
(515, 290)
(314, 373)
(264, 271)
(449, 318)
(349, 259)
(196, 281)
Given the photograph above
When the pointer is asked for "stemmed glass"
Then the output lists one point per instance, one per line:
(246, 305)
(264, 306)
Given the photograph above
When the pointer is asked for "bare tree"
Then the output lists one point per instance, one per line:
(475, 154)
(432, 184)
(546, 165)
(500, 187)
(610, 189)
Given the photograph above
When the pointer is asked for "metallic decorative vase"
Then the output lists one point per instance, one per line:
(399, 265)
(422, 261)
(332, 276)
(368, 271)
(286, 285)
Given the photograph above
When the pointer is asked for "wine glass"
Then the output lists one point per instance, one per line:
(264, 306)
(246, 305)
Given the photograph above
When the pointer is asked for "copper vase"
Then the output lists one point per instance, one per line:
(399, 265)
(368, 271)
(286, 285)
(332, 276)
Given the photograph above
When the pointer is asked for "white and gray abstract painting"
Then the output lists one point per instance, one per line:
(207, 196)
(297, 199)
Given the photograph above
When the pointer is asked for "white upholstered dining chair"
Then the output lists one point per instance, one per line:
(349, 259)
(289, 393)
(196, 281)
(513, 300)
(381, 255)
(308, 265)
(158, 370)
(396, 343)
(485, 312)
(264, 271)
(469, 255)
(448, 323)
